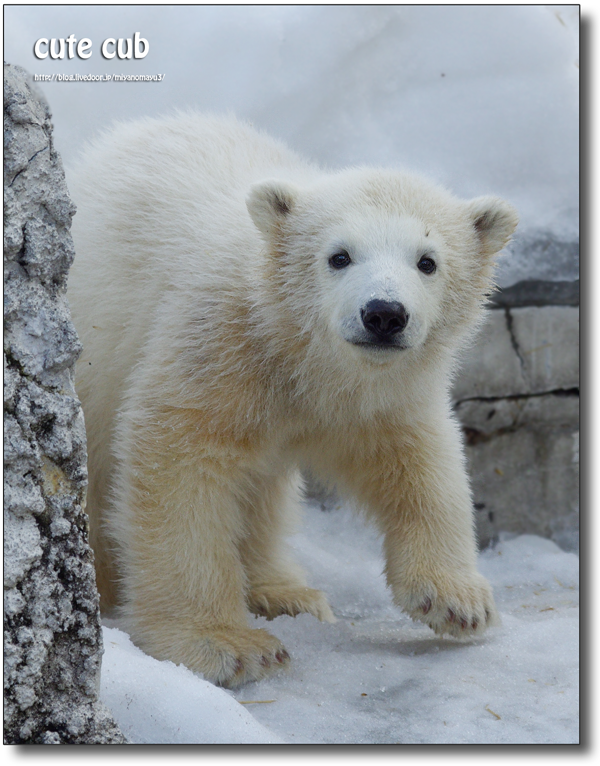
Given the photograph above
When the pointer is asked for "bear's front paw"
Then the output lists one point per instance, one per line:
(460, 608)
(233, 657)
(226, 655)
(272, 600)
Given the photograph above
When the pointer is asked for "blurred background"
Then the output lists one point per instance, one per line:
(483, 99)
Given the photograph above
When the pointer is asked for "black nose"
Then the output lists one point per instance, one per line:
(384, 318)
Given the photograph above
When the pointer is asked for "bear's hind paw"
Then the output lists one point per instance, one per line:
(271, 601)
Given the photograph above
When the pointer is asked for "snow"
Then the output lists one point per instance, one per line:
(481, 98)
(162, 703)
(376, 677)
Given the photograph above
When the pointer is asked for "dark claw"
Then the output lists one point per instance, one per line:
(463, 623)
(451, 616)
(239, 666)
(426, 606)
(265, 662)
(282, 656)
(474, 624)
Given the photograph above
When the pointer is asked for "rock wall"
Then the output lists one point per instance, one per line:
(517, 398)
(52, 632)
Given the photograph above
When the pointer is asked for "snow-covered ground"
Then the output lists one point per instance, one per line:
(481, 98)
(375, 677)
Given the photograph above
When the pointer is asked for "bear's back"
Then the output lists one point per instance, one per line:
(161, 226)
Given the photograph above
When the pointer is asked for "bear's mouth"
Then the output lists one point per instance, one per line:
(381, 345)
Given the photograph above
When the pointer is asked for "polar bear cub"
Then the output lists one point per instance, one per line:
(244, 314)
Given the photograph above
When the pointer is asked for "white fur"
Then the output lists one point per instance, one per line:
(220, 356)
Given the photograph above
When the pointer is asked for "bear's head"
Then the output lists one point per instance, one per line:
(379, 263)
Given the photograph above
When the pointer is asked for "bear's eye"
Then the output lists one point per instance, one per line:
(426, 264)
(340, 260)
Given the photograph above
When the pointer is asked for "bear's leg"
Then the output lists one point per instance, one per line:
(415, 485)
(276, 583)
(104, 560)
(178, 522)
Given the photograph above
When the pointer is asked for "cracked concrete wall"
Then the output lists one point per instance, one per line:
(517, 398)
(52, 632)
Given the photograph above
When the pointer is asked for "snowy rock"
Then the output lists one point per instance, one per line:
(53, 641)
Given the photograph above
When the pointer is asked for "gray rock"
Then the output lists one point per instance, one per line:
(537, 292)
(527, 350)
(52, 633)
(517, 398)
(539, 255)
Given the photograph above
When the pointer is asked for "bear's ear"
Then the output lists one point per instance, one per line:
(269, 202)
(494, 221)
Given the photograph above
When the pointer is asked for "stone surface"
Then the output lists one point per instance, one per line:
(523, 456)
(52, 633)
(517, 397)
(527, 350)
(539, 255)
(537, 292)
